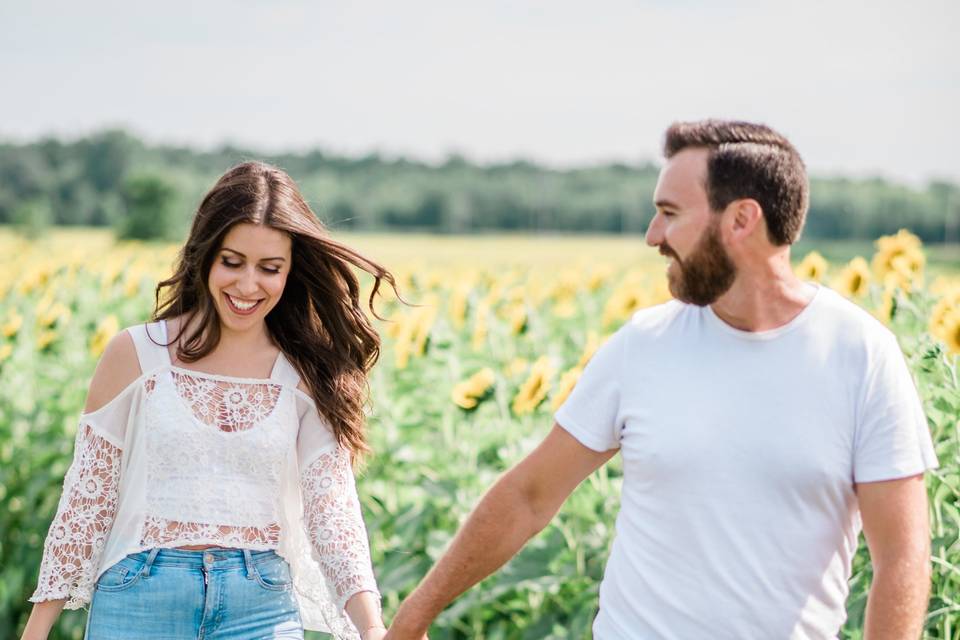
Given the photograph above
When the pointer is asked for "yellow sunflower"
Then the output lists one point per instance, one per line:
(516, 367)
(901, 254)
(593, 343)
(854, 279)
(567, 382)
(45, 338)
(945, 307)
(535, 388)
(951, 333)
(467, 394)
(12, 325)
(812, 267)
(107, 328)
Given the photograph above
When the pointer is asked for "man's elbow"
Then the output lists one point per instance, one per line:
(537, 504)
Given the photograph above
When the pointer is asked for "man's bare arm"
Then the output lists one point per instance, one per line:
(896, 525)
(519, 505)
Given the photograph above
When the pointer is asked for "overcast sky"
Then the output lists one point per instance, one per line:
(861, 88)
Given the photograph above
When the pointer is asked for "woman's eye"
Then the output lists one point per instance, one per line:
(234, 265)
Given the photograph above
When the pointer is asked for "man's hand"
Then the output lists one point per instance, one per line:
(518, 506)
(392, 634)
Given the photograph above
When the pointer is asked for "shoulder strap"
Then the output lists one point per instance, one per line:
(150, 354)
(285, 372)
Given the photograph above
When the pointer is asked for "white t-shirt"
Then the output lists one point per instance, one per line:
(738, 516)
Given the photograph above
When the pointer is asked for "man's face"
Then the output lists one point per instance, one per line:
(687, 230)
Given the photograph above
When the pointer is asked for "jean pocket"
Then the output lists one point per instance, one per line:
(123, 575)
(274, 574)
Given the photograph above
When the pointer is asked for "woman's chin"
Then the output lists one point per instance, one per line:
(236, 321)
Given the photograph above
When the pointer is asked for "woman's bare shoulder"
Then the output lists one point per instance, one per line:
(302, 386)
(117, 368)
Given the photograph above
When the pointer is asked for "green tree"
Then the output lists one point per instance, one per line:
(149, 213)
(32, 217)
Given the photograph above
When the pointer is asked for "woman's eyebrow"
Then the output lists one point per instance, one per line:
(261, 259)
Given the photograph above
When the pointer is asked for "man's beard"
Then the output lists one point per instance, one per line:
(706, 274)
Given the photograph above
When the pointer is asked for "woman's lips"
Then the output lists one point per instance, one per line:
(237, 310)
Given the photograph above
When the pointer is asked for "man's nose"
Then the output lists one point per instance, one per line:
(654, 236)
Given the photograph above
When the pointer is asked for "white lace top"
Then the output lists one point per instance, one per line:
(181, 457)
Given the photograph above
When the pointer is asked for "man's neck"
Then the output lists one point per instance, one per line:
(764, 296)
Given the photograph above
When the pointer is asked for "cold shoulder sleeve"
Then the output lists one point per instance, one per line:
(332, 515)
(88, 503)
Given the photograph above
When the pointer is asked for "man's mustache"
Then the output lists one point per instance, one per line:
(667, 251)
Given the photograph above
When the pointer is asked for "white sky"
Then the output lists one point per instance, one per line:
(860, 87)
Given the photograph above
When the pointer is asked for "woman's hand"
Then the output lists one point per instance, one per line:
(374, 633)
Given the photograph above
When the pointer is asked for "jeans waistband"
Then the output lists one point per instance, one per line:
(209, 559)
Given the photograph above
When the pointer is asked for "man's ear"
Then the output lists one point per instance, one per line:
(744, 217)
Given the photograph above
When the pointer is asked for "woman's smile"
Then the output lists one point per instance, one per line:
(242, 307)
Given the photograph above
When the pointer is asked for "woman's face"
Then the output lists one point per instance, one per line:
(248, 274)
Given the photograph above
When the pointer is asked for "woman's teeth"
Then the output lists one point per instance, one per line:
(241, 306)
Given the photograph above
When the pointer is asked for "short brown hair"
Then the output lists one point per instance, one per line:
(748, 160)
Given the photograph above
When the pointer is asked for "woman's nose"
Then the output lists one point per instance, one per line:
(247, 285)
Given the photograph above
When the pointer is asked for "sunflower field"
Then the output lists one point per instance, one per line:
(496, 335)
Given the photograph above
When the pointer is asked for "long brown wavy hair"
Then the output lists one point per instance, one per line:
(318, 323)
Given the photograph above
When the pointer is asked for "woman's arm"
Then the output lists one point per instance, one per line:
(88, 502)
(364, 611)
(42, 618)
(336, 531)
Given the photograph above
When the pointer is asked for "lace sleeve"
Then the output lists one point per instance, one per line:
(79, 530)
(335, 525)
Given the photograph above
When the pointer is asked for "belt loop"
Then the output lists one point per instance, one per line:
(150, 558)
(248, 561)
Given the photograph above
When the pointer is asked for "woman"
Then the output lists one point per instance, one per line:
(211, 492)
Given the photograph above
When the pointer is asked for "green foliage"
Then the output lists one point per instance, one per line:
(149, 212)
(32, 217)
(432, 461)
(83, 182)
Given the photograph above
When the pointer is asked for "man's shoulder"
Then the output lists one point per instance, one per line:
(849, 319)
(656, 316)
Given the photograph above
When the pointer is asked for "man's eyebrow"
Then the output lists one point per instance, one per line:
(261, 259)
(663, 204)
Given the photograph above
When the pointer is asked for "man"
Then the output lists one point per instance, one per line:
(762, 421)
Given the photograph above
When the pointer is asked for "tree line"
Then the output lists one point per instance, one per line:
(112, 178)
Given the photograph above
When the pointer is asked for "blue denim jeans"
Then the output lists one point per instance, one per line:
(178, 594)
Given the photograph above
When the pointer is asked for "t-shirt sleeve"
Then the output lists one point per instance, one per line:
(893, 439)
(591, 413)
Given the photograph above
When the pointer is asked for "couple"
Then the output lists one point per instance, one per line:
(763, 421)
